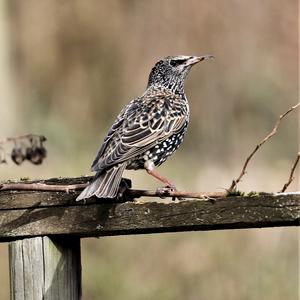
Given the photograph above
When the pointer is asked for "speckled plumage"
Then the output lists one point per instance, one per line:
(148, 130)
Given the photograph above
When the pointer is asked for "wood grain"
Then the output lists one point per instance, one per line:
(66, 217)
(44, 268)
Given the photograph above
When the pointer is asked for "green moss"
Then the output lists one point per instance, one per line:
(235, 193)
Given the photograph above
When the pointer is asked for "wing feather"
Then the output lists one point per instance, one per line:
(145, 122)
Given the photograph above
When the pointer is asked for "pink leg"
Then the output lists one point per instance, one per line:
(162, 179)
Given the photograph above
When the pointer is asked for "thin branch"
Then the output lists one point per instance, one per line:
(273, 132)
(128, 192)
(20, 137)
(41, 187)
(175, 194)
(291, 178)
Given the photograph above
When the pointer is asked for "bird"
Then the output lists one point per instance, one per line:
(147, 130)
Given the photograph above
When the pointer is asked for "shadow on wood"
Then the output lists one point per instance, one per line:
(37, 213)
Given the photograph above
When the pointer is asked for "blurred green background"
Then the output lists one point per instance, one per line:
(68, 67)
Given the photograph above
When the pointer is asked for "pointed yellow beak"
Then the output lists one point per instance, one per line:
(195, 59)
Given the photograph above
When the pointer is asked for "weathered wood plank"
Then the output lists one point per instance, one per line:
(44, 268)
(103, 219)
(30, 199)
(27, 199)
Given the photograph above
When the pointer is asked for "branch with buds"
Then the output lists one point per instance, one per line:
(257, 147)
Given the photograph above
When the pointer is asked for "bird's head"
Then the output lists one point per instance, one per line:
(172, 70)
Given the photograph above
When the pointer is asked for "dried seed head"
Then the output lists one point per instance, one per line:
(36, 154)
(2, 156)
(17, 155)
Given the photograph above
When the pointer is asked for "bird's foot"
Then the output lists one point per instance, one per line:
(165, 191)
(125, 184)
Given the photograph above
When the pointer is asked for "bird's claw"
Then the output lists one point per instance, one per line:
(165, 191)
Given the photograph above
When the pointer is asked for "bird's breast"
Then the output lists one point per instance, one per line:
(159, 153)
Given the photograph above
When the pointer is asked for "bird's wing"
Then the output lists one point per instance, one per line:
(111, 133)
(145, 122)
(118, 122)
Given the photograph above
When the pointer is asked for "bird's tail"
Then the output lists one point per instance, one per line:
(105, 184)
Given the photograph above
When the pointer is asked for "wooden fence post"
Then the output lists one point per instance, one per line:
(43, 268)
(44, 229)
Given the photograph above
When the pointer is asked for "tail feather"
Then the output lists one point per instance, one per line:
(105, 184)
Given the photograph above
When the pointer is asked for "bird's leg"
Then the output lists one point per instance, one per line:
(166, 181)
(149, 166)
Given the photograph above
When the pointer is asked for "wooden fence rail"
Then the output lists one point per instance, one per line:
(45, 227)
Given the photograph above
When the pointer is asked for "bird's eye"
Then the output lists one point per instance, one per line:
(177, 62)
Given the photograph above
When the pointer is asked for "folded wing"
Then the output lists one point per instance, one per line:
(143, 123)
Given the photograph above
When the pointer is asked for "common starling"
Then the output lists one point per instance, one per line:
(147, 131)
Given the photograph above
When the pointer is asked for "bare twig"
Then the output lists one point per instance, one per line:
(273, 132)
(129, 192)
(20, 137)
(41, 187)
(291, 178)
(175, 194)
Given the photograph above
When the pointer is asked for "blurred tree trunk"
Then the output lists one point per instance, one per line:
(7, 99)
